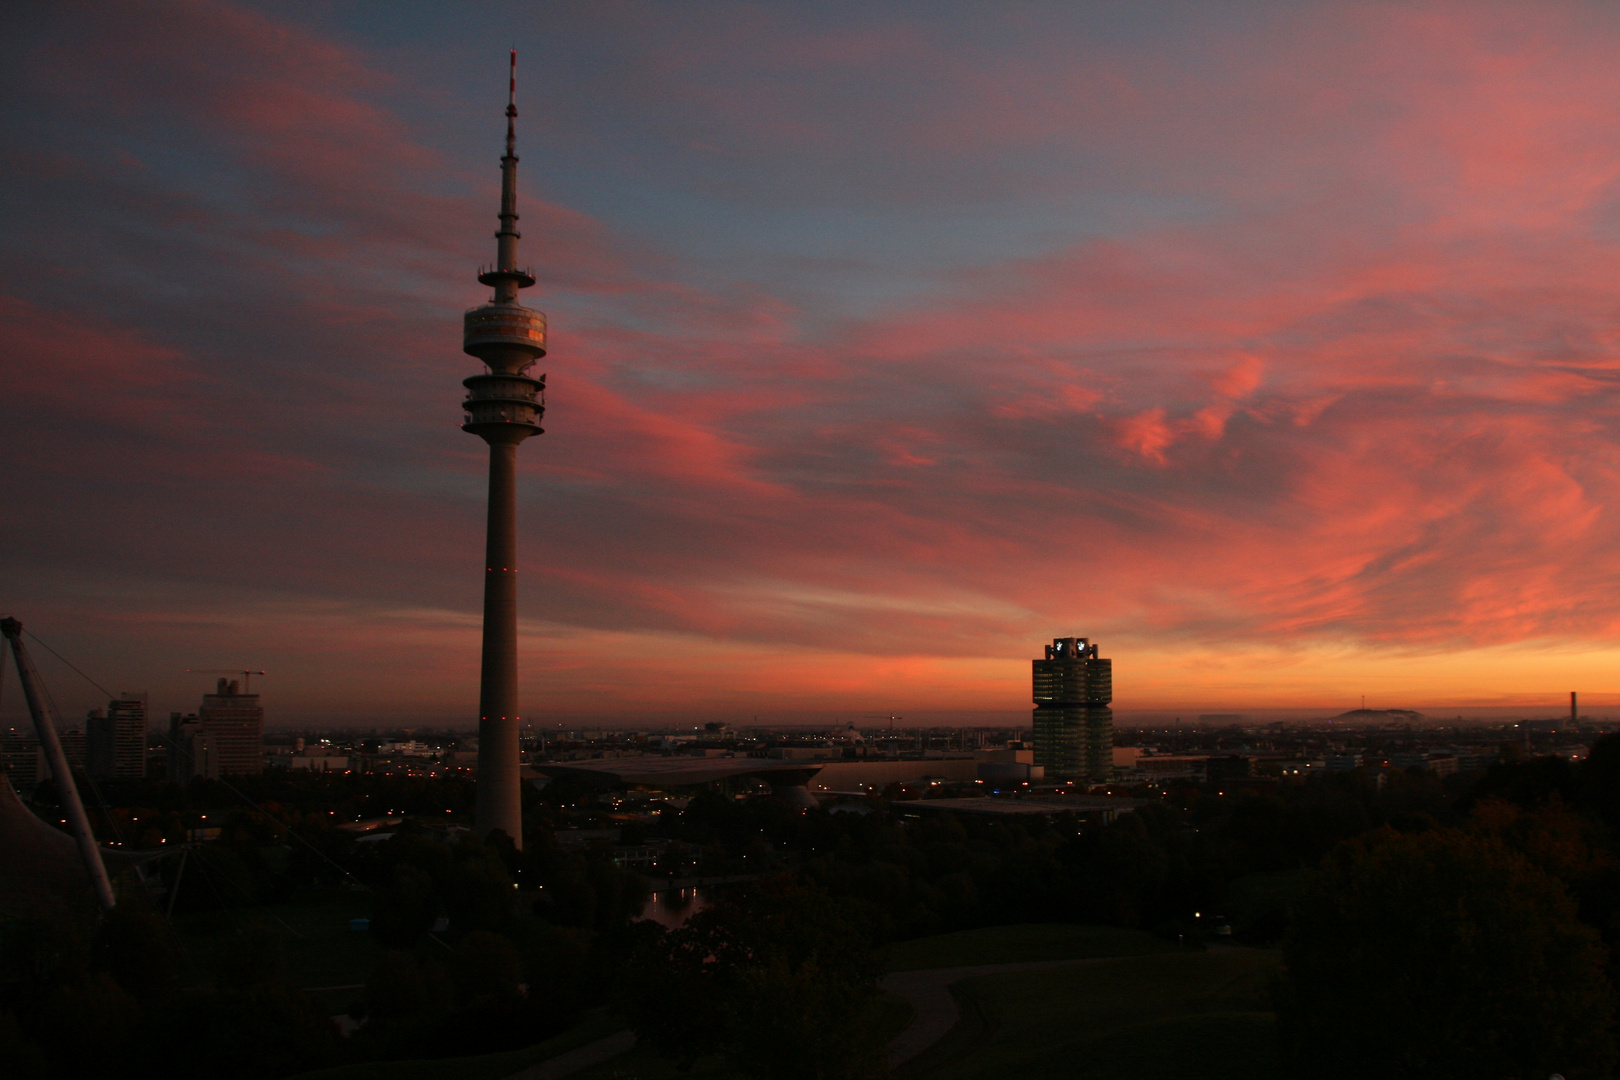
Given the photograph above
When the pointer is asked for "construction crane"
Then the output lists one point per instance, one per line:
(890, 718)
(247, 675)
(40, 708)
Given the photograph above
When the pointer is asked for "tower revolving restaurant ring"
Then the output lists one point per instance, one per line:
(504, 405)
(498, 326)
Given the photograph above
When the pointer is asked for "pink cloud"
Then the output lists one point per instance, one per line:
(1147, 434)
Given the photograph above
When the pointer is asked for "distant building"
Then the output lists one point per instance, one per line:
(115, 742)
(20, 757)
(316, 762)
(223, 738)
(1173, 766)
(1014, 765)
(1440, 763)
(24, 759)
(234, 722)
(73, 746)
(98, 739)
(804, 753)
(183, 730)
(205, 756)
(1074, 727)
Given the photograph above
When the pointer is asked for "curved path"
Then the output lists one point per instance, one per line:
(935, 1010)
(579, 1058)
(927, 990)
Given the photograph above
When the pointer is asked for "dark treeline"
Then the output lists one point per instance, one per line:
(468, 963)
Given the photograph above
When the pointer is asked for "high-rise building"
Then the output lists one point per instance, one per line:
(234, 723)
(115, 741)
(503, 407)
(1074, 727)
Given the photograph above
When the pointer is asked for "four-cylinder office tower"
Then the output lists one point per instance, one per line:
(1074, 727)
(503, 407)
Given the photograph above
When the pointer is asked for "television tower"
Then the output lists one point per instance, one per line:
(503, 407)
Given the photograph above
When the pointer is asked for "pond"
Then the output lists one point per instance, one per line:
(670, 907)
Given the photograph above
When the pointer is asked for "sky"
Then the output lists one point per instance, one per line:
(1274, 346)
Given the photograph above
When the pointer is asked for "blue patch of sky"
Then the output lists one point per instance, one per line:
(846, 236)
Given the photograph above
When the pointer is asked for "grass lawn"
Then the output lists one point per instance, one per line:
(1162, 1016)
(596, 1025)
(1014, 944)
(643, 1064)
(317, 947)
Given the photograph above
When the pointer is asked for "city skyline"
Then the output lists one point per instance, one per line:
(1274, 347)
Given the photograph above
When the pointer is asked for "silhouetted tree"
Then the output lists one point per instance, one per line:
(406, 1000)
(778, 977)
(262, 1032)
(23, 1057)
(1441, 954)
(403, 911)
(1599, 782)
(89, 1026)
(137, 948)
(478, 891)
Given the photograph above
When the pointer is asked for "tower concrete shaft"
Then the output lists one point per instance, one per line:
(503, 407)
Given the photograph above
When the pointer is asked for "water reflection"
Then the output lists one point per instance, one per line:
(669, 908)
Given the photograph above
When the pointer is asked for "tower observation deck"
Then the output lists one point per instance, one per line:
(503, 407)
